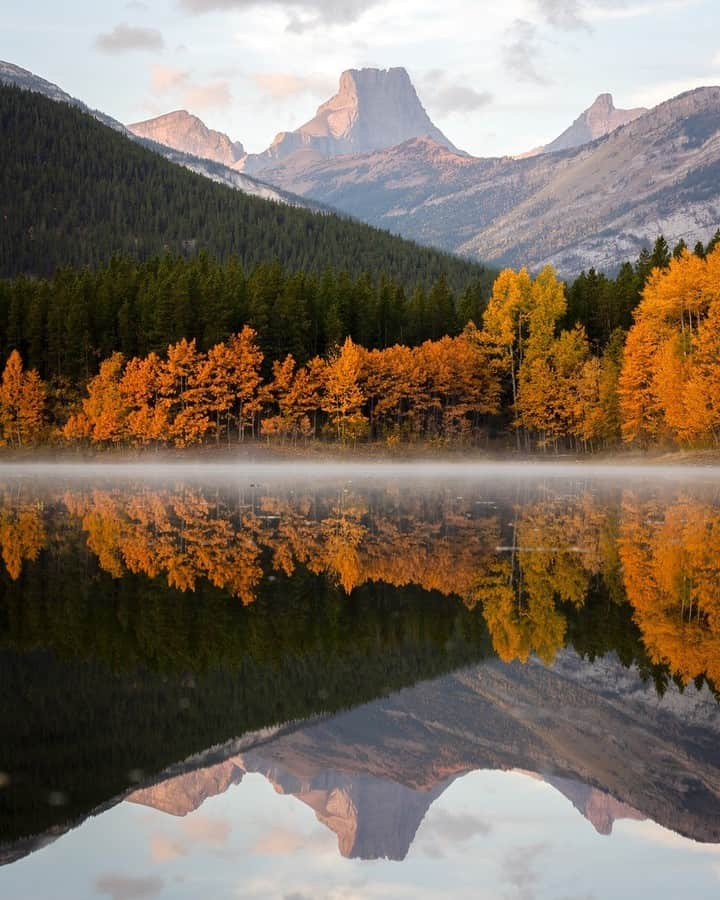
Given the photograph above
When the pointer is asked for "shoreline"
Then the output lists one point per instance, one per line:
(319, 453)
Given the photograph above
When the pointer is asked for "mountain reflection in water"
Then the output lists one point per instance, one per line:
(403, 635)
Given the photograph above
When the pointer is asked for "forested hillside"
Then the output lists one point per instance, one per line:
(74, 192)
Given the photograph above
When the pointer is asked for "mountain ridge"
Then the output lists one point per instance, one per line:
(11, 74)
(190, 135)
(594, 205)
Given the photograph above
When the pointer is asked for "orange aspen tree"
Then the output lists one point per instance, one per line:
(661, 390)
(505, 320)
(103, 418)
(216, 376)
(188, 414)
(245, 379)
(344, 397)
(140, 390)
(22, 401)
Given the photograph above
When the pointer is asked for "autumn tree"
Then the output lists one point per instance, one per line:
(141, 390)
(103, 416)
(344, 398)
(670, 361)
(22, 401)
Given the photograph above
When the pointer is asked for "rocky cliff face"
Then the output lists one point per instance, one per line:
(596, 205)
(598, 120)
(372, 110)
(187, 133)
(185, 793)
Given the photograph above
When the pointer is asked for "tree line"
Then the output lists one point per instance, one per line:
(64, 326)
(518, 371)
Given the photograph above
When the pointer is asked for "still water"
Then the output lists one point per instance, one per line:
(366, 681)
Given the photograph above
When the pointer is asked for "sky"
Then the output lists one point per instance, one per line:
(497, 77)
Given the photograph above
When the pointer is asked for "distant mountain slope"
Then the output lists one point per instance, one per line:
(372, 110)
(11, 74)
(185, 132)
(73, 191)
(593, 205)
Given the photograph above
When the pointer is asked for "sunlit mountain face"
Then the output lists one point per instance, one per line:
(275, 665)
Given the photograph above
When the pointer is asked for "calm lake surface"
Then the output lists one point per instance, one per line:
(368, 681)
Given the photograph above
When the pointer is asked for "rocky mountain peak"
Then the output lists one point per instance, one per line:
(185, 132)
(595, 122)
(373, 109)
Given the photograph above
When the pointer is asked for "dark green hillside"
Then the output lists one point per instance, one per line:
(74, 192)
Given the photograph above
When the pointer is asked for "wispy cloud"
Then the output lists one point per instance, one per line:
(124, 38)
(167, 78)
(214, 95)
(168, 81)
(121, 887)
(281, 85)
(304, 14)
(521, 52)
(566, 14)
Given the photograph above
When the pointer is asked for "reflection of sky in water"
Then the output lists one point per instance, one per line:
(490, 835)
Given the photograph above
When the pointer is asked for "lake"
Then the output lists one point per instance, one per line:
(344, 681)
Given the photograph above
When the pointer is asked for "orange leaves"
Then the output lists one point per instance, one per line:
(22, 535)
(22, 399)
(670, 563)
(177, 400)
(344, 397)
(103, 416)
(671, 372)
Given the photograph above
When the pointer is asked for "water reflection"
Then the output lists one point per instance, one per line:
(170, 644)
(528, 561)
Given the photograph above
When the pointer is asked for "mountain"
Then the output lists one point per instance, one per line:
(598, 120)
(185, 132)
(600, 809)
(595, 205)
(373, 817)
(372, 110)
(75, 192)
(372, 773)
(210, 167)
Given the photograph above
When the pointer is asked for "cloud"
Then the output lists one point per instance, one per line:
(208, 96)
(164, 849)
(445, 95)
(279, 842)
(578, 15)
(125, 37)
(281, 85)
(166, 78)
(519, 870)
(565, 14)
(207, 829)
(521, 52)
(457, 827)
(453, 98)
(119, 887)
(304, 14)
